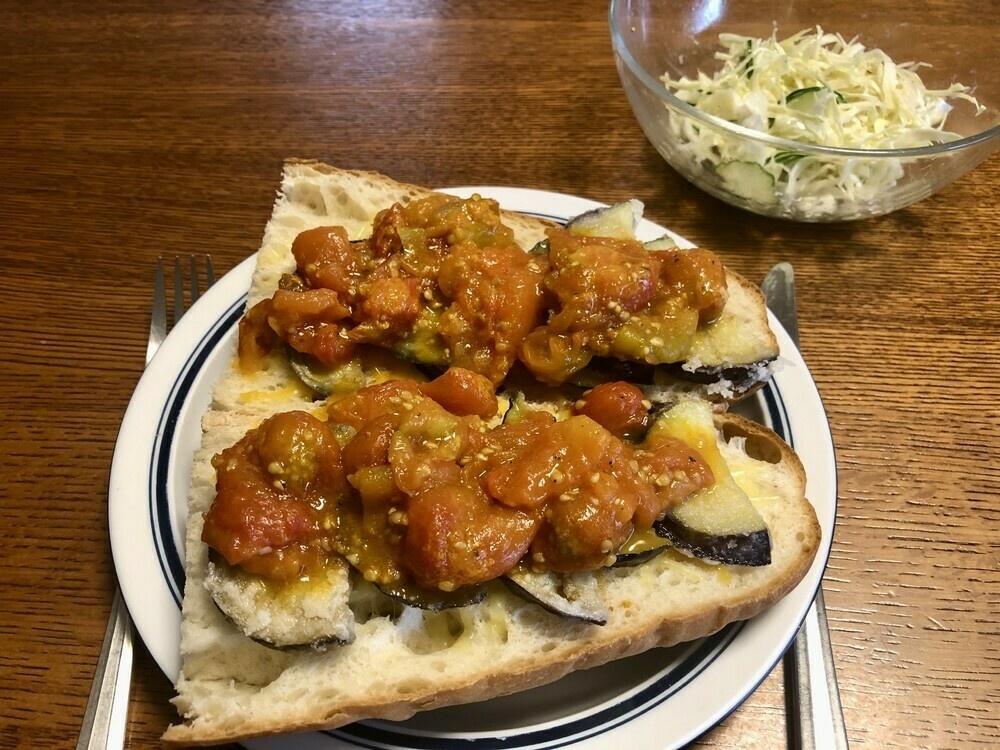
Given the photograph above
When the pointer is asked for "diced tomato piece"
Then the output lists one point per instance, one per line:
(497, 299)
(462, 392)
(620, 408)
(326, 258)
(370, 444)
(457, 536)
(293, 310)
(392, 303)
(563, 456)
(554, 357)
(366, 404)
(598, 276)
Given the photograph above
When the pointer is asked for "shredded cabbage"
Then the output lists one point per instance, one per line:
(815, 87)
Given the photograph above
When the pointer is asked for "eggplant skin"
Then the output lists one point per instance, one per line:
(633, 559)
(432, 600)
(324, 381)
(576, 596)
(742, 379)
(751, 548)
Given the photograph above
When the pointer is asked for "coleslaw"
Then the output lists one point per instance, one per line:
(818, 88)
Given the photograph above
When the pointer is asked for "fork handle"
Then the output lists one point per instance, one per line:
(107, 707)
(815, 697)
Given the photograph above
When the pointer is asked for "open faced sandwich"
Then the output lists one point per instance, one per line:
(461, 452)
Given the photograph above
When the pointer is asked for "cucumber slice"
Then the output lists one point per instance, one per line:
(748, 180)
(812, 99)
(787, 158)
(746, 60)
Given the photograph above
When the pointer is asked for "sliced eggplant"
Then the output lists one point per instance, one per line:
(556, 403)
(433, 600)
(575, 595)
(608, 369)
(540, 248)
(307, 613)
(344, 378)
(666, 242)
(718, 522)
(422, 346)
(371, 365)
(618, 221)
(641, 547)
(517, 408)
(739, 380)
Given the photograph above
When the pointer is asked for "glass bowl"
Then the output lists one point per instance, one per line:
(955, 38)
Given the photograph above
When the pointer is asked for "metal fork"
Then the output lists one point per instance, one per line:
(107, 708)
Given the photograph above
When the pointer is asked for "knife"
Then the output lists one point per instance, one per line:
(815, 714)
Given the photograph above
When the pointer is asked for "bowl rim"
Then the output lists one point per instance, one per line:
(657, 88)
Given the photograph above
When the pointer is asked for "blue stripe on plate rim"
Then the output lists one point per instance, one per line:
(170, 558)
(373, 734)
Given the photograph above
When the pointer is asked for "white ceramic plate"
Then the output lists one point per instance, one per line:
(661, 699)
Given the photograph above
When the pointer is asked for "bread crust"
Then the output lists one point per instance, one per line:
(232, 689)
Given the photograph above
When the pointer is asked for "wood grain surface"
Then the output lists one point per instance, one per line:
(130, 130)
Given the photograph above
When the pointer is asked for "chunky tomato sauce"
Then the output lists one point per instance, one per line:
(441, 282)
(419, 491)
(616, 298)
(278, 492)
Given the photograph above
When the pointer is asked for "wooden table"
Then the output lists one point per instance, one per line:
(130, 130)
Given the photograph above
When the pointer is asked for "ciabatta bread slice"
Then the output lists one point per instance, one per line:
(729, 358)
(404, 660)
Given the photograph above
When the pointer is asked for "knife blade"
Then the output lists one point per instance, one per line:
(779, 291)
(815, 712)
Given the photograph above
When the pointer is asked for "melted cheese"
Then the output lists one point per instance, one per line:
(294, 389)
(724, 507)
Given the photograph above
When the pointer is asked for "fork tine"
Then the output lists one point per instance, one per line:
(158, 317)
(193, 292)
(209, 272)
(178, 290)
(158, 321)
